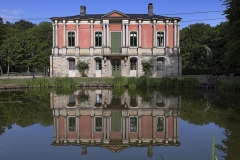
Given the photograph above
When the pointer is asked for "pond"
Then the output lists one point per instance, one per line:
(119, 124)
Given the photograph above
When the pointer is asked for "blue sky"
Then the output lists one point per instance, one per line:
(36, 11)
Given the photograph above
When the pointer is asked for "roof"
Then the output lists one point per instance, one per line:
(120, 16)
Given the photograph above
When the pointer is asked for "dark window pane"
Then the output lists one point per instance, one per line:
(72, 124)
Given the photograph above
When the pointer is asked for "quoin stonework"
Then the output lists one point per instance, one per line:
(115, 44)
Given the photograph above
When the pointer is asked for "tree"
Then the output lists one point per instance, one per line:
(82, 66)
(232, 13)
(192, 41)
(23, 25)
(147, 67)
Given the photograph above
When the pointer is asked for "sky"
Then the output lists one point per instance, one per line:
(37, 11)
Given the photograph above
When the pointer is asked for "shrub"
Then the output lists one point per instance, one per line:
(147, 67)
(82, 66)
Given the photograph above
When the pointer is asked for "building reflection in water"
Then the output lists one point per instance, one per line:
(99, 118)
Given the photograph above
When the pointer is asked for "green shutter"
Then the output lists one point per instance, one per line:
(116, 121)
(115, 42)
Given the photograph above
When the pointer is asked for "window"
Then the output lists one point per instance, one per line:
(71, 124)
(133, 124)
(160, 39)
(72, 101)
(98, 39)
(71, 39)
(160, 124)
(133, 39)
(98, 124)
(160, 102)
(159, 65)
(133, 101)
(98, 100)
(72, 64)
(133, 64)
(98, 65)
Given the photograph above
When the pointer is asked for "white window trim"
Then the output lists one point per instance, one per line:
(129, 37)
(68, 123)
(136, 65)
(164, 39)
(136, 100)
(130, 124)
(96, 99)
(68, 102)
(95, 41)
(95, 124)
(75, 39)
(163, 124)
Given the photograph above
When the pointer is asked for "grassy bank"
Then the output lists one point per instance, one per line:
(229, 83)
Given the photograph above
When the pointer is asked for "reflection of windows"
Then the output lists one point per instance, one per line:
(159, 65)
(98, 65)
(133, 64)
(71, 124)
(71, 39)
(133, 124)
(160, 101)
(160, 39)
(71, 64)
(98, 100)
(98, 124)
(160, 124)
(98, 39)
(133, 39)
(133, 101)
(72, 101)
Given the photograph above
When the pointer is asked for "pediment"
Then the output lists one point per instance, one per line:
(115, 14)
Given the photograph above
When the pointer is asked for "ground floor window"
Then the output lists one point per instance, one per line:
(133, 64)
(159, 65)
(71, 64)
(98, 65)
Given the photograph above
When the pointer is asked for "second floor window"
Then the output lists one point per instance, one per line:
(98, 39)
(71, 124)
(98, 124)
(133, 39)
(160, 39)
(71, 39)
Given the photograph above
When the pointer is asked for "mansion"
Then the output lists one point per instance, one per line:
(115, 44)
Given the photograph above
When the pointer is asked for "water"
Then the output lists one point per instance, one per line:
(118, 124)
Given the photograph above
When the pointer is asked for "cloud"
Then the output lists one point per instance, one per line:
(15, 12)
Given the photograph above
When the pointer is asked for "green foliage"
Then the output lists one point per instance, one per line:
(147, 66)
(23, 25)
(82, 66)
(232, 13)
(38, 83)
(119, 81)
(83, 96)
(65, 82)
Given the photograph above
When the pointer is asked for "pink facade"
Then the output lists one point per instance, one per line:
(147, 40)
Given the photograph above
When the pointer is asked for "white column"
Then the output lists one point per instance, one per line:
(166, 34)
(108, 35)
(123, 35)
(154, 128)
(154, 34)
(139, 128)
(140, 34)
(64, 34)
(104, 128)
(57, 128)
(174, 128)
(56, 34)
(54, 39)
(127, 127)
(108, 127)
(104, 35)
(77, 33)
(92, 127)
(175, 33)
(127, 35)
(92, 35)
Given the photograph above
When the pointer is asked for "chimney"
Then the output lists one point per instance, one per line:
(82, 10)
(150, 9)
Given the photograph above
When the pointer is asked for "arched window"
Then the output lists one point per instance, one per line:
(160, 63)
(71, 39)
(71, 64)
